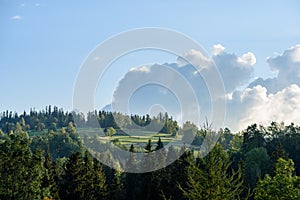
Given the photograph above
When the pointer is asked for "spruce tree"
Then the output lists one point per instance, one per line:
(284, 185)
(211, 178)
(131, 179)
(50, 177)
(159, 145)
(83, 178)
(21, 171)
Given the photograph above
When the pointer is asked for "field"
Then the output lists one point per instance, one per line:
(127, 137)
(123, 138)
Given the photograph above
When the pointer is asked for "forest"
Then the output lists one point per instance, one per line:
(42, 156)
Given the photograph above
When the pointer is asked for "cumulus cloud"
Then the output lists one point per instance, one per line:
(247, 59)
(145, 69)
(196, 58)
(185, 79)
(272, 99)
(217, 49)
(16, 17)
(263, 101)
(164, 85)
(287, 65)
(255, 105)
(235, 70)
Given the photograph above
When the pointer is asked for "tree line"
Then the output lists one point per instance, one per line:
(257, 163)
(56, 118)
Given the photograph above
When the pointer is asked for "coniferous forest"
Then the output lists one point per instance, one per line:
(42, 156)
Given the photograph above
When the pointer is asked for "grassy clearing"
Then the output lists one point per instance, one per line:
(122, 137)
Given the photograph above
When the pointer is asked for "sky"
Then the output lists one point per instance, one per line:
(44, 43)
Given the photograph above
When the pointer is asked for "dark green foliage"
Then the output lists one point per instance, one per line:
(211, 177)
(54, 164)
(257, 165)
(61, 144)
(50, 177)
(132, 186)
(131, 179)
(159, 145)
(170, 126)
(283, 186)
(83, 178)
(253, 138)
(116, 185)
(152, 183)
(148, 147)
(178, 173)
(21, 170)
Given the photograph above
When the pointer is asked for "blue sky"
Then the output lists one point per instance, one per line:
(43, 43)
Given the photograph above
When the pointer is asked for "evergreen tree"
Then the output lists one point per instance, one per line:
(159, 145)
(116, 188)
(83, 179)
(131, 164)
(211, 178)
(131, 186)
(21, 171)
(50, 177)
(257, 165)
(178, 173)
(99, 181)
(148, 147)
(283, 186)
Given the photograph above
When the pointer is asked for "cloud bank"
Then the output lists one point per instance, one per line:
(272, 99)
(262, 101)
(287, 65)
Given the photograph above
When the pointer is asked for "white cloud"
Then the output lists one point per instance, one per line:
(195, 58)
(233, 73)
(145, 69)
(163, 85)
(247, 59)
(217, 49)
(263, 101)
(288, 60)
(16, 17)
(254, 105)
(287, 65)
(235, 70)
(273, 99)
